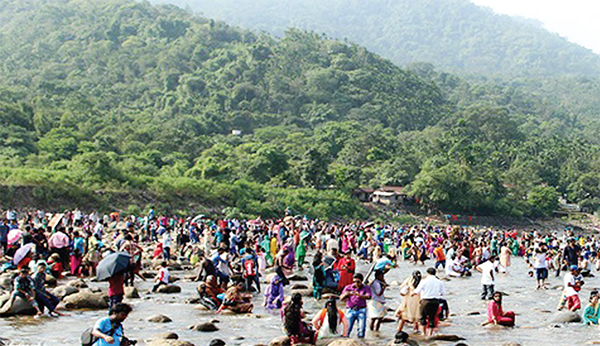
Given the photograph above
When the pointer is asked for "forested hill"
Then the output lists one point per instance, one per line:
(454, 35)
(104, 98)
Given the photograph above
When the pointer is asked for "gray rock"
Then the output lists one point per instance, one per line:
(565, 317)
(169, 289)
(280, 341)
(297, 277)
(131, 293)
(79, 283)
(86, 299)
(205, 327)
(20, 307)
(159, 319)
(166, 336)
(63, 291)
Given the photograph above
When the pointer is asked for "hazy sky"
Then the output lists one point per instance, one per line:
(577, 20)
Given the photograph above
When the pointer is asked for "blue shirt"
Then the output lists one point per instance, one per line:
(78, 244)
(382, 263)
(104, 326)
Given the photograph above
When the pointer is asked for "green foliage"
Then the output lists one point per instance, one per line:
(138, 106)
(455, 35)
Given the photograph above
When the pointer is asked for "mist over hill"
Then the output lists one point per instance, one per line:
(454, 35)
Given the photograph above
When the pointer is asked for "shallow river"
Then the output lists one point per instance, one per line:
(463, 297)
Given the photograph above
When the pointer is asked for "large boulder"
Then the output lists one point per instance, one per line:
(19, 307)
(86, 299)
(169, 289)
(159, 319)
(280, 341)
(566, 317)
(298, 286)
(62, 291)
(79, 283)
(131, 293)
(205, 327)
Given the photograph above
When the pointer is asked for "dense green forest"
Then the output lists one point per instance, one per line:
(100, 97)
(455, 35)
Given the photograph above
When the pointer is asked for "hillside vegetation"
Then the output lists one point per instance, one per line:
(454, 35)
(100, 97)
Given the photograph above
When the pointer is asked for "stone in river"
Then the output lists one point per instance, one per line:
(169, 289)
(205, 327)
(131, 293)
(86, 299)
(78, 283)
(566, 317)
(159, 319)
(280, 341)
(167, 342)
(62, 291)
(166, 336)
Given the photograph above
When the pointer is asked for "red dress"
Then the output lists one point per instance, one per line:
(495, 311)
(346, 268)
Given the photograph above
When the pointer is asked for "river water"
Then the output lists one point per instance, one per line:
(533, 309)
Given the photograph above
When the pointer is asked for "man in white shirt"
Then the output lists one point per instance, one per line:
(488, 277)
(332, 243)
(431, 291)
(573, 282)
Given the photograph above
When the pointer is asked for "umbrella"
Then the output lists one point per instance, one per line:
(198, 217)
(14, 236)
(112, 264)
(22, 252)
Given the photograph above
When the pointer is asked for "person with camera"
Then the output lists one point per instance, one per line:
(109, 330)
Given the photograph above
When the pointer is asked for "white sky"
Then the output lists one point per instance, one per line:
(577, 20)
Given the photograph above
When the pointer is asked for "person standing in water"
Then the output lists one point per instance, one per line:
(431, 291)
(376, 305)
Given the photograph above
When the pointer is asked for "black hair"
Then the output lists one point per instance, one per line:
(121, 307)
(431, 271)
(416, 278)
(291, 315)
(332, 315)
(359, 276)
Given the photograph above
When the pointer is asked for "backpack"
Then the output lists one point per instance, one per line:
(87, 339)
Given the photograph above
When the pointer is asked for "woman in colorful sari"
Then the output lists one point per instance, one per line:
(592, 311)
(274, 294)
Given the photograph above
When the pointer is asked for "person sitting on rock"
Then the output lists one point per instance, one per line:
(274, 294)
(209, 292)
(24, 288)
(162, 278)
(299, 331)
(43, 298)
(591, 314)
(496, 315)
(236, 301)
(328, 320)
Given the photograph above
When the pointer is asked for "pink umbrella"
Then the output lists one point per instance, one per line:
(14, 236)
(22, 252)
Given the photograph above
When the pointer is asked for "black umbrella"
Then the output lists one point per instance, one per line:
(112, 264)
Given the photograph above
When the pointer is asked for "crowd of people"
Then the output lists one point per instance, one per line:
(232, 257)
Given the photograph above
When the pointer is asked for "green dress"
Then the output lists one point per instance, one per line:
(266, 245)
(591, 314)
(300, 253)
